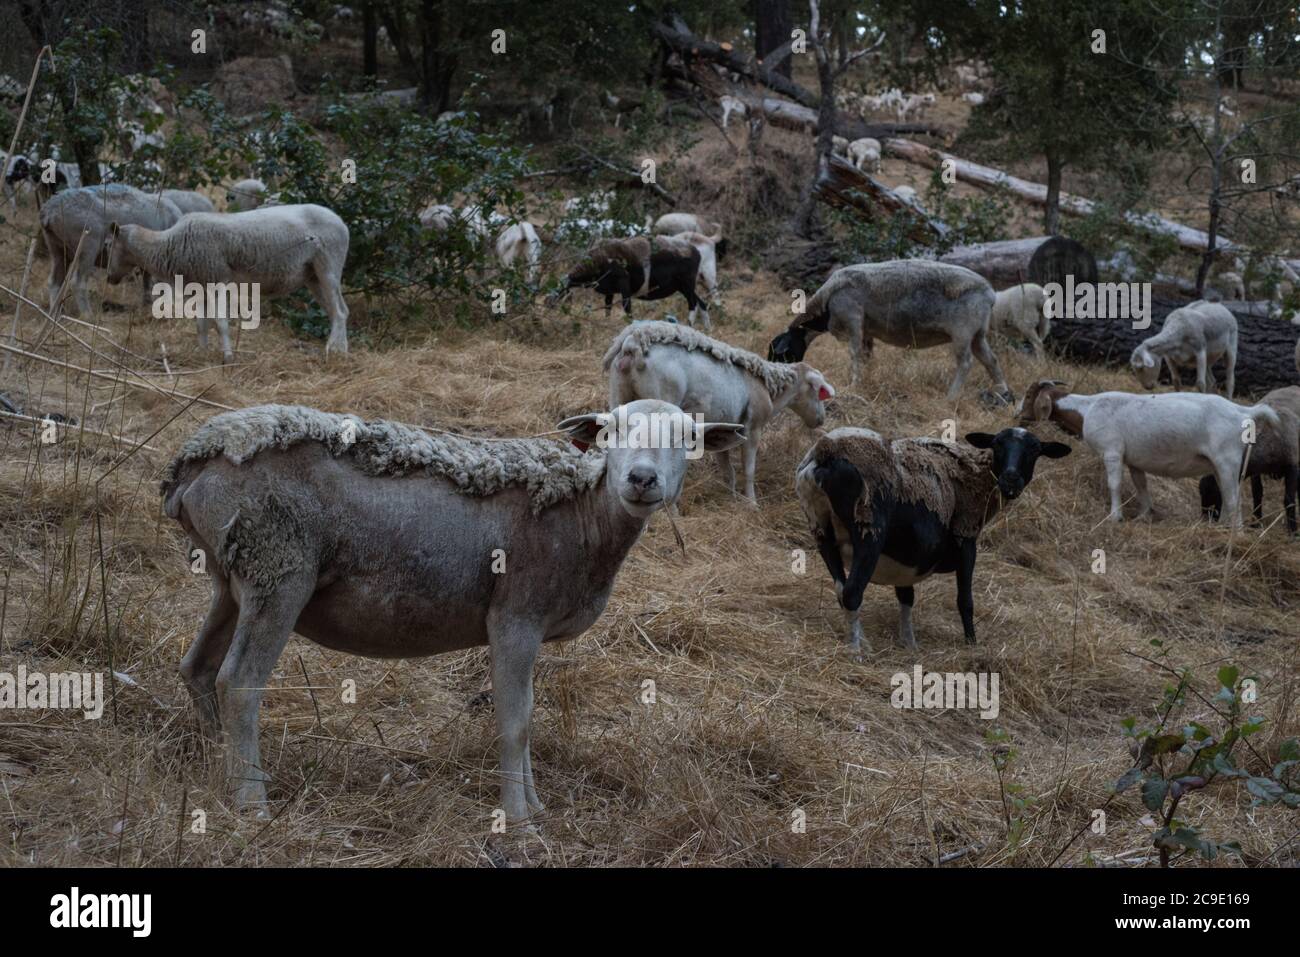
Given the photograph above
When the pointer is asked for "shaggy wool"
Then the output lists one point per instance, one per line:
(775, 376)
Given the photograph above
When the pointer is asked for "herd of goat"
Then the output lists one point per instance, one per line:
(308, 527)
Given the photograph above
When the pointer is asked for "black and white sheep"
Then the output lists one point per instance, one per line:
(641, 268)
(895, 513)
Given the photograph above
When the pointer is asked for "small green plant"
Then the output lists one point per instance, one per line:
(1015, 801)
(1171, 763)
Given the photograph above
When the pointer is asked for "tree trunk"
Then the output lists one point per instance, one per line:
(1265, 346)
(395, 25)
(772, 26)
(805, 218)
(1052, 209)
(369, 39)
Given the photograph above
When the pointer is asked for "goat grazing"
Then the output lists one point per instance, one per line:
(1276, 454)
(519, 242)
(1020, 311)
(641, 268)
(280, 248)
(865, 152)
(1174, 434)
(1200, 333)
(663, 360)
(910, 303)
(895, 513)
(377, 539)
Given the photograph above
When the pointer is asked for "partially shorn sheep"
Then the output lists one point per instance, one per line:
(701, 375)
(377, 539)
(281, 248)
(895, 513)
(910, 303)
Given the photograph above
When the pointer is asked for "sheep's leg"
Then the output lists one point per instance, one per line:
(1203, 382)
(223, 328)
(609, 304)
(1230, 486)
(202, 322)
(906, 599)
(984, 352)
(203, 660)
(855, 362)
(1230, 380)
(58, 272)
(1257, 499)
(1036, 343)
(262, 631)
(965, 588)
(723, 460)
(1114, 480)
(514, 645)
(1175, 379)
(866, 554)
(328, 293)
(1143, 493)
(1211, 500)
(962, 354)
(750, 453)
(1289, 493)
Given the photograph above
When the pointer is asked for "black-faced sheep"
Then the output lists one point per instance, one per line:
(895, 513)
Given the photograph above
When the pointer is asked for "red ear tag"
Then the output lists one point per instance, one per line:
(580, 445)
(823, 393)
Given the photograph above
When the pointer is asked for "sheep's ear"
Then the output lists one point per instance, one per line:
(584, 429)
(1147, 359)
(981, 440)
(1055, 450)
(113, 227)
(720, 436)
(824, 389)
(1043, 405)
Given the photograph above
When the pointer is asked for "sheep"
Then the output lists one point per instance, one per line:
(707, 247)
(973, 98)
(376, 539)
(731, 104)
(864, 151)
(916, 104)
(700, 375)
(910, 303)
(1232, 285)
(839, 145)
(895, 513)
(1201, 332)
(1276, 453)
(1021, 310)
(280, 249)
(591, 204)
(1174, 434)
(642, 268)
(245, 195)
(519, 241)
(440, 217)
(92, 211)
(906, 193)
(189, 201)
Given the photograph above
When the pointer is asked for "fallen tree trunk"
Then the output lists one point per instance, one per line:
(989, 178)
(1265, 347)
(1003, 264)
(844, 186)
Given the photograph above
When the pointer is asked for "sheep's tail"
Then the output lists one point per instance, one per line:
(1265, 412)
(627, 351)
(175, 481)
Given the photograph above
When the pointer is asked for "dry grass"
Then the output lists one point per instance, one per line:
(759, 712)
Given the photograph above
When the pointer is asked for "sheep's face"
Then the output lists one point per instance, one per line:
(1145, 366)
(1014, 453)
(789, 346)
(647, 445)
(814, 393)
(115, 255)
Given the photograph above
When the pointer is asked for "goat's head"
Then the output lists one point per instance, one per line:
(814, 392)
(1015, 451)
(119, 265)
(1145, 366)
(647, 444)
(1039, 401)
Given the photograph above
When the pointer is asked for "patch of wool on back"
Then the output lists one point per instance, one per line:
(953, 481)
(551, 471)
(776, 377)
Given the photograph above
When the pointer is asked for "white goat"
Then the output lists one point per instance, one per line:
(667, 361)
(1174, 434)
(1200, 333)
(281, 249)
(865, 151)
(1020, 310)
